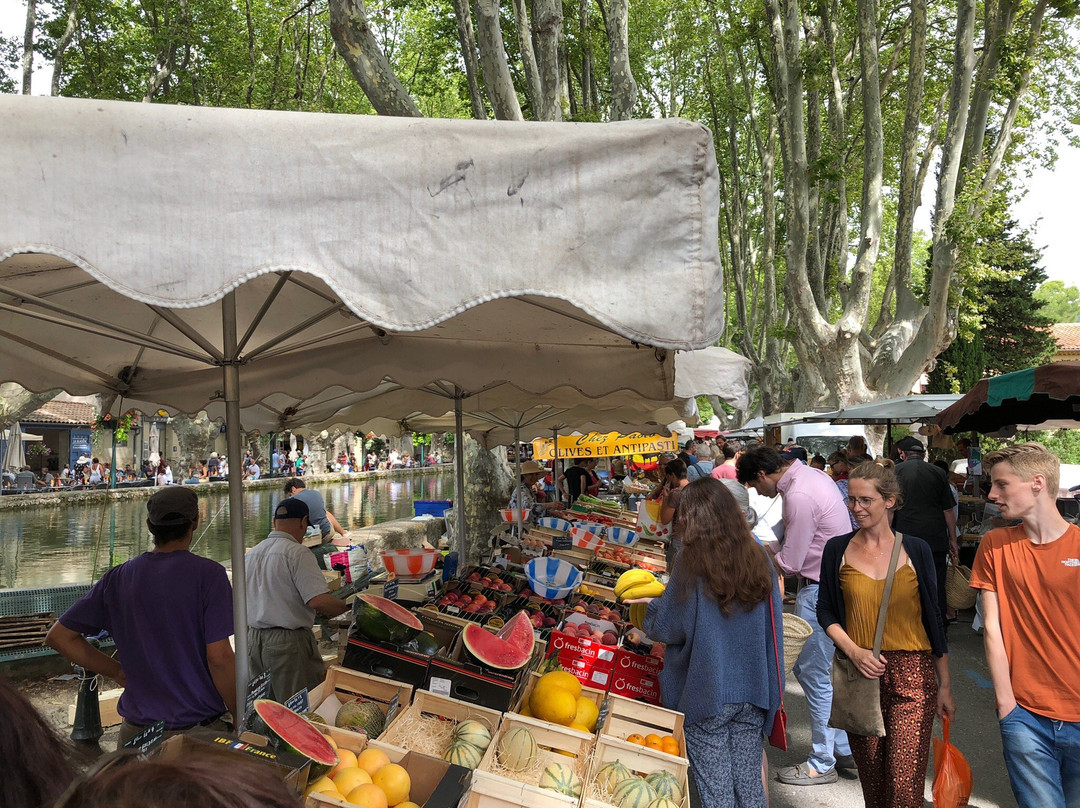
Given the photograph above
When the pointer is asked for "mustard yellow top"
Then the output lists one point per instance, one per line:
(903, 623)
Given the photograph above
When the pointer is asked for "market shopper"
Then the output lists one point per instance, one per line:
(170, 613)
(285, 590)
(318, 515)
(675, 480)
(573, 481)
(37, 764)
(524, 495)
(913, 669)
(927, 511)
(717, 619)
(813, 512)
(1029, 576)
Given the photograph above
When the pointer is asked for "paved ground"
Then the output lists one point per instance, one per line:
(975, 733)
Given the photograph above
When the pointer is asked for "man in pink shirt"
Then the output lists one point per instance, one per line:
(726, 470)
(814, 512)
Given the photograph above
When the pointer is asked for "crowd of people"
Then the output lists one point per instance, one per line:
(861, 543)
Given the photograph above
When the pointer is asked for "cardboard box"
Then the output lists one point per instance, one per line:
(589, 660)
(626, 716)
(636, 759)
(292, 769)
(554, 745)
(452, 674)
(108, 702)
(635, 686)
(435, 784)
(333, 579)
(396, 742)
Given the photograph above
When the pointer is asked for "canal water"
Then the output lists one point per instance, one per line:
(53, 546)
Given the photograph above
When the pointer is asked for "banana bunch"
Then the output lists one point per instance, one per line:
(637, 583)
(637, 614)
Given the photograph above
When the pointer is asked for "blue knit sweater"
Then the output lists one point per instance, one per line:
(712, 659)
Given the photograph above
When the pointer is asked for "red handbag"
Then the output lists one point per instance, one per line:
(778, 733)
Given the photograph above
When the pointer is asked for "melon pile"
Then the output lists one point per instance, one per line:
(369, 780)
(557, 698)
(624, 789)
(361, 714)
(468, 744)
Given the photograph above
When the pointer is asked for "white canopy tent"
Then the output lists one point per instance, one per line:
(184, 256)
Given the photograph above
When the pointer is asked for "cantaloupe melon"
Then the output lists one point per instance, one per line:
(473, 732)
(560, 777)
(634, 792)
(517, 749)
(666, 784)
(611, 774)
(463, 754)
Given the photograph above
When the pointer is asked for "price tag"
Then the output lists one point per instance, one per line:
(390, 589)
(299, 703)
(439, 686)
(452, 610)
(258, 688)
(562, 543)
(148, 738)
(605, 708)
(536, 634)
(502, 561)
(392, 709)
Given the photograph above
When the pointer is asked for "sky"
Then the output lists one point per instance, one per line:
(1047, 208)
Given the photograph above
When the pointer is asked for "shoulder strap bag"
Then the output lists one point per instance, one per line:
(778, 733)
(856, 700)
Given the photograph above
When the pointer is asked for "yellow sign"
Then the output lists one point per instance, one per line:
(596, 444)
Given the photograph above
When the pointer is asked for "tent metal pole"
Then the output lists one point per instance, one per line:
(517, 476)
(459, 477)
(231, 377)
(555, 461)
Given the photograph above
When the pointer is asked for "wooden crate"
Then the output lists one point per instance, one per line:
(341, 685)
(577, 556)
(491, 790)
(592, 693)
(637, 759)
(626, 716)
(394, 742)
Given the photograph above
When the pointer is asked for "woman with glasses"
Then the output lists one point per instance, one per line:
(913, 669)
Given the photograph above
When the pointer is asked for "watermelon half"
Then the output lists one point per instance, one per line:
(492, 651)
(518, 631)
(383, 620)
(297, 734)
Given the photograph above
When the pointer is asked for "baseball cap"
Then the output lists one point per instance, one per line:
(291, 508)
(172, 505)
(911, 444)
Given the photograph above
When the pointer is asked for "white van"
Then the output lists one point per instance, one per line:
(822, 439)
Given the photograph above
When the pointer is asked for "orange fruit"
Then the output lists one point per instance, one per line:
(371, 760)
(348, 779)
(670, 745)
(652, 741)
(394, 781)
(346, 760)
(368, 795)
(635, 738)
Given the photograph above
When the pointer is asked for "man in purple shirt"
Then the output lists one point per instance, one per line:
(814, 512)
(170, 613)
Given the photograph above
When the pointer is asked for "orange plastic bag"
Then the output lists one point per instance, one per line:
(952, 773)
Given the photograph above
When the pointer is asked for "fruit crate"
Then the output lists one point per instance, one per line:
(577, 556)
(627, 716)
(493, 786)
(400, 737)
(653, 562)
(637, 759)
(595, 695)
(474, 576)
(597, 590)
(606, 572)
(447, 603)
(342, 685)
(597, 608)
(435, 784)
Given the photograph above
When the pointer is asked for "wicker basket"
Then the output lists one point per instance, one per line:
(958, 594)
(796, 632)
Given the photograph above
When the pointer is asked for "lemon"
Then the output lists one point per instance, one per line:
(587, 713)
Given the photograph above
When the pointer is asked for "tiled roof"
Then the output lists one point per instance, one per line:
(1067, 337)
(62, 412)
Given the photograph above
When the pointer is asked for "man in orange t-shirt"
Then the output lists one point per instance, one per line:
(1030, 578)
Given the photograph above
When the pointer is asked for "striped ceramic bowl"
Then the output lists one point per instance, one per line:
(552, 578)
(621, 535)
(555, 523)
(413, 563)
(584, 537)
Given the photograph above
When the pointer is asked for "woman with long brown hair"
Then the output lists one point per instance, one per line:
(913, 668)
(718, 618)
(37, 764)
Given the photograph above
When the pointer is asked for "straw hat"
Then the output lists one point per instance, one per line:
(531, 467)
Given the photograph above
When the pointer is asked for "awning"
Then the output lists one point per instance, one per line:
(1043, 397)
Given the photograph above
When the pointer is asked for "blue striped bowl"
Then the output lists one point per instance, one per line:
(621, 535)
(555, 523)
(552, 578)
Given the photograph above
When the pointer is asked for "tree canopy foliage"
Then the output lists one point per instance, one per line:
(832, 120)
(1060, 303)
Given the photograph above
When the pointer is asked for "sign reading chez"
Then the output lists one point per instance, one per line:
(597, 444)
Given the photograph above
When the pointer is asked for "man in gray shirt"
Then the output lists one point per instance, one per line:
(285, 589)
(318, 516)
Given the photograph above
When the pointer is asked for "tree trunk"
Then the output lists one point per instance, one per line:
(623, 87)
(361, 51)
(62, 45)
(488, 484)
(586, 56)
(534, 85)
(497, 79)
(549, 22)
(196, 437)
(28, 46)
(467, 40)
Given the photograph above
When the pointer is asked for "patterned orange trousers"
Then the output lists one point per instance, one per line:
(892, 770)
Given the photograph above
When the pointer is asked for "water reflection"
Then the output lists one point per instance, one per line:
(55, 546)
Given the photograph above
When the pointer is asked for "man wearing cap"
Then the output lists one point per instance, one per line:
(170, 613)
(285, 589)
(926, 509)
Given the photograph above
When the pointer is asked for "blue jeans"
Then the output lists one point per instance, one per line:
(813, 671)
(1043, 759)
